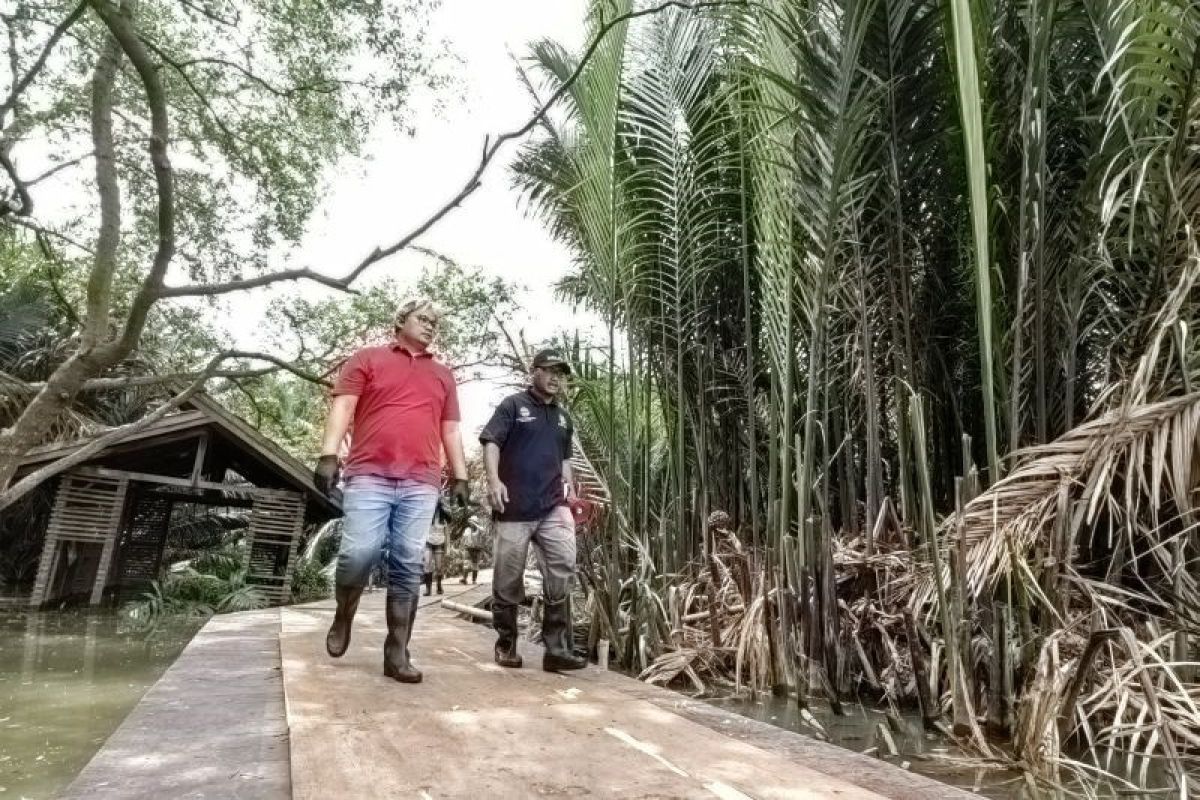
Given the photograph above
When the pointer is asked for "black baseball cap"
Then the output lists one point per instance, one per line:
(551, 358)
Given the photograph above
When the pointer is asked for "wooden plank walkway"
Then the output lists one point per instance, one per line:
(254, 708)
(472, 729)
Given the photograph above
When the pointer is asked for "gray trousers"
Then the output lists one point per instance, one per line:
(553, 539)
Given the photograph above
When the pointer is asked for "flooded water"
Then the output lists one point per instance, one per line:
(858, 729)
(67, 680)
(928, 754)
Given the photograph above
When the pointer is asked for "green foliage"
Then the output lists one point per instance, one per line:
(310, 581)
(778, 209)
(322, 333)
(849, 250)
(262, 96)
(214, 583)
(332, 328)
(39, 323)
(223, 564)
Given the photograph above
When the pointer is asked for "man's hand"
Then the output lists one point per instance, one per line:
(325, 476)
(460, 491)
(497, 494)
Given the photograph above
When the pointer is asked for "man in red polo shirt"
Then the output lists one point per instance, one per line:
(404, 407)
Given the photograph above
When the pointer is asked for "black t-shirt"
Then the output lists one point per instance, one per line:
(534, 439)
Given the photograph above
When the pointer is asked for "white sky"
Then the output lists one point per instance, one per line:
(406, 178)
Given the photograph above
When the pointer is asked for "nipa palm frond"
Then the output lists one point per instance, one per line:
(1110, 472)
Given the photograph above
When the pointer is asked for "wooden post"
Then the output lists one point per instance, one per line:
(110, 541)
(106, 558)
(997, 707)
(930, 712)
(46, 567)
(201, 455)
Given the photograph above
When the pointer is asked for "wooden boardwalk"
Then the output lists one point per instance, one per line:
(473, 729)
(254, 708)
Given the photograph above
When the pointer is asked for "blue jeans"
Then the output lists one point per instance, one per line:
(388, 514)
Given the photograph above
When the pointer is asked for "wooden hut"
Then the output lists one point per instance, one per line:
(111, 513)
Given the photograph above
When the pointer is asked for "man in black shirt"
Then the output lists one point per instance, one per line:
(527, 451)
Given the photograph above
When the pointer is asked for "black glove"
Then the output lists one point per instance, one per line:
(460, 492)
(325, 476)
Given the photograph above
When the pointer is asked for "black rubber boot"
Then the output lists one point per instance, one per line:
(338, 638)
(463, 579)
(504, 620)
(474, 576)
(439, 584)
(396, 662)
(428, 581)
(558, 639)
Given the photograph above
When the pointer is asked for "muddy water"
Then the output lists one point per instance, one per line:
(67, 680)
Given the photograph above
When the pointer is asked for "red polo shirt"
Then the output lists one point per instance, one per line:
(403, 399)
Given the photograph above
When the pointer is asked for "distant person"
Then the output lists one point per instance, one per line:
(527, 451)
(403, 404)
(473, 545)
(435, 549)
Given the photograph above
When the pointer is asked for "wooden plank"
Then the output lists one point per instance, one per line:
(214, 725)
(46, 565)
(169, 424)
(110, 542)
(82, 521)
(205, 416)
(275, 525)
(266, 450)
(85, 512)
(86, 509)
(201, 454)
(164, 480)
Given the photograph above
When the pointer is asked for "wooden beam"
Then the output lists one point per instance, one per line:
(262, 449)
(164, 480)
(175, 422)
(181, 496)
(201, 454)
(108, 550)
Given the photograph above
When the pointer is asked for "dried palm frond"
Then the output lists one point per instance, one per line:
(1104, 472)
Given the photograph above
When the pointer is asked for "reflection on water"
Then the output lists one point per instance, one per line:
(924, 753)
(67, 680)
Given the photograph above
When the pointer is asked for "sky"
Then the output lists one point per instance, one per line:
(405, 178)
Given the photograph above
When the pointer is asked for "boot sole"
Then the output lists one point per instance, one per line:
(562, 667)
